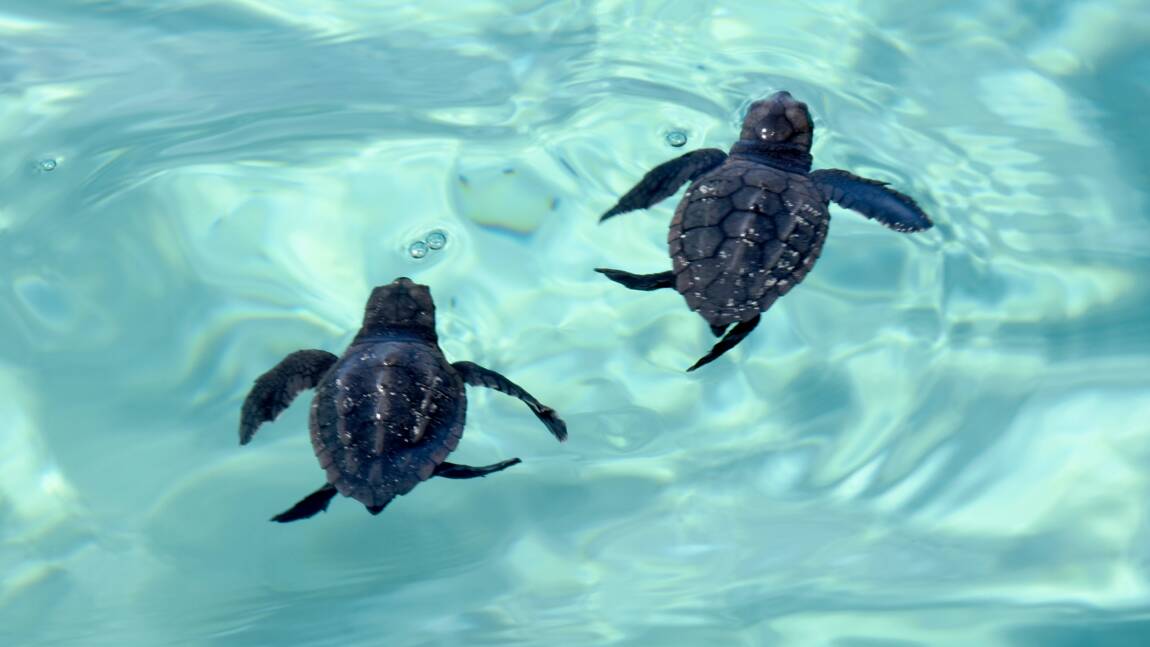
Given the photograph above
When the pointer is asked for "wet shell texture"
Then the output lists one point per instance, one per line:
(742, 236)
(385, 417)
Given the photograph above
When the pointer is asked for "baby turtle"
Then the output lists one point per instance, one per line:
(387, 413)
(753, 221)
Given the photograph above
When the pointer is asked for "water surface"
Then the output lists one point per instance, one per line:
(938, 439)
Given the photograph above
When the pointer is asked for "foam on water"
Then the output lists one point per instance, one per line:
(936, 439)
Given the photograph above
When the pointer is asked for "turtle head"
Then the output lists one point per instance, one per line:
(402, 306)
(779, 119)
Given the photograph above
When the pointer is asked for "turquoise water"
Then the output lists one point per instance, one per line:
(937, 439)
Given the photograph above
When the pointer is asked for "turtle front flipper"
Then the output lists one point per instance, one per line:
(644, 282)
(455, 471)
(309, 506)
(275, 390)
(476, 375)
(732, 339)
(872, 199)
(665, 179)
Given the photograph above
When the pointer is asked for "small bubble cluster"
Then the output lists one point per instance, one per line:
(433, 241)
(676, 138)
(47, 165)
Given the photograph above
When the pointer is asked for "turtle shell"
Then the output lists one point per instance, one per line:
(742, 236)
(386, 415)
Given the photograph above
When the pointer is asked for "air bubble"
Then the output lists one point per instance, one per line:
(418, 249)
(47, 165)
(437, 239)
(676, 138)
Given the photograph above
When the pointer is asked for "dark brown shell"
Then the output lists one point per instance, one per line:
(386, 415)
(744, 235)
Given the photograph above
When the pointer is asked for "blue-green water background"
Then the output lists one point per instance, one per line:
(938, 439)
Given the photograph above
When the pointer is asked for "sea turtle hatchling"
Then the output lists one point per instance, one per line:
(388, 412)
(753, 221)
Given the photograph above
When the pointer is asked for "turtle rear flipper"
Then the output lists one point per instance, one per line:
(872, 199)
(309, 506)
(665, 179)
(732, 339)
(476, 375)
(456, 471)
(644, 282)
(274, 391)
